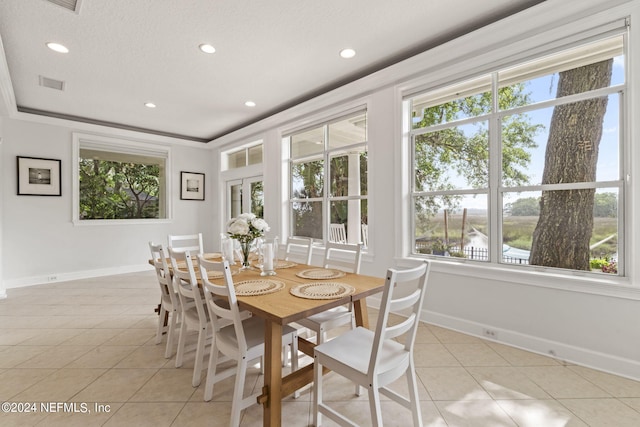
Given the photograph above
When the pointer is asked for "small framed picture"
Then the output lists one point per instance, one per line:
(192, 186)
(39, 177)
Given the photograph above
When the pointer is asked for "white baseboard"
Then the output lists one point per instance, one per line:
(75, 275)
(563, 352)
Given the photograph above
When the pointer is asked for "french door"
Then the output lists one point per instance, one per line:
(245, 195)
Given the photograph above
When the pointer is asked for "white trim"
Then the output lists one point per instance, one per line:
(6, 87)
(588, 283)
(75, 275)
(560, 351)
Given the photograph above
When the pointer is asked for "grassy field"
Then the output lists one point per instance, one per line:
(518, 231)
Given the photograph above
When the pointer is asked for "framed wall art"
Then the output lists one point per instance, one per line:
(39, 177)
(192, 186)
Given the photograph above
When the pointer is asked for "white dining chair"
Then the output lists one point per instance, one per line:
(194, 313)
(299, 249)
(365, 235)
(186, 242)
(241, 340)
(337, 233)
(374, 360)
(169, 299)
(345, 257)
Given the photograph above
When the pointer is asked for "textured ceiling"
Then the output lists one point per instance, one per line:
(276, 53)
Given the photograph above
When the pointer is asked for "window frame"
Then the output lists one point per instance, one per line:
(325, 155)
(496, 190)
(124, 146)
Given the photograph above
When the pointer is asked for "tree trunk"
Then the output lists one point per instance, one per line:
(561, 237)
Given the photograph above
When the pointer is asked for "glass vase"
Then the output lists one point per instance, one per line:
(245, 247)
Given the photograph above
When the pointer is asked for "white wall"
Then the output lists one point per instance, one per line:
(593, 322)
(39, 238)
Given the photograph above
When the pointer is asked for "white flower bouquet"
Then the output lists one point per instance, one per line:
(246, 227)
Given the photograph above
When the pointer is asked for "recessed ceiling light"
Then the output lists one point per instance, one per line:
(250, 104)
(347, 53)
(57, 47)
(150, 105)
(207, 48)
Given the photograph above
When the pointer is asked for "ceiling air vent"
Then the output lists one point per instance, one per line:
(51, 83)
(72, 5)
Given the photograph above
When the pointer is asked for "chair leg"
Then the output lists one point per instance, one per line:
(238, 392)
(211, 373)
(317, 392)
(181, 342)
(172, 330)
(197, 367)
(161, 315)
(374, 405)
(294, 360)
(413, 395)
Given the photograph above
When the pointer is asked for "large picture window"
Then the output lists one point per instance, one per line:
(522, 166)
(328, 178)
(119, 182)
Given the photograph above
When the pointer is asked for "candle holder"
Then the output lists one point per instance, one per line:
(267, 272)
(267, 266)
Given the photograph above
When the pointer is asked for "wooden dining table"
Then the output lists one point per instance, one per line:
(281, 308)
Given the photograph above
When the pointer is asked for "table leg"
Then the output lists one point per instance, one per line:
(360, 311)
(273, 374)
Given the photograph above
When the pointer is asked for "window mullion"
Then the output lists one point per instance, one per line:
(495, 172)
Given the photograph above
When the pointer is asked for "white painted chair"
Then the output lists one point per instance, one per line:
(242, 340)
(169, 299)
(345, 257)
(375, 359)
(337, 233)
(365, 235)
(299, 249)
(186, 242)
(194, 313)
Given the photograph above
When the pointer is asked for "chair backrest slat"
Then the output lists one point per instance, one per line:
(186, 242)
(222, 301)
(402, 282)
(185, 281)
(365, 235)
(337, 233)
(343, 256)
(299, 249)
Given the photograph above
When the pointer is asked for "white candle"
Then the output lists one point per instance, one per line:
(267, 251)
(227, 250)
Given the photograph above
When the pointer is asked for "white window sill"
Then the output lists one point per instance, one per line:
(590, 283)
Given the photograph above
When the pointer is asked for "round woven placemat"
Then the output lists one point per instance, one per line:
(257, 287)
(322, 290)
(212, 255)
(281, 263)
(320, 273)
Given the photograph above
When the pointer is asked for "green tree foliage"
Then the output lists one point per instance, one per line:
(115, 190)
(529, 206)
(605, 206)
(308, 215)
(460, 151)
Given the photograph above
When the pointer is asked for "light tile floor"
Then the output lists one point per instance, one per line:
(91, 344)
